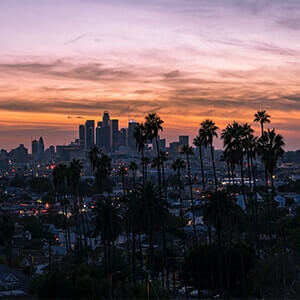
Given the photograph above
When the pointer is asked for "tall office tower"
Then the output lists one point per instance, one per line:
(41, 148)
(122, 137)
(99, 133)
(184, 140)
(89, 134)
(102, 138)
(81, 136)
(105, 119)
(34, 149)
(130, 136)
(113, 134)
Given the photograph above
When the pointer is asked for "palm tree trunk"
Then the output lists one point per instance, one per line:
(202, 168)
(262, 128)
(191, 196)
(228, 173)
(65, 225)
(232, 167)
(255, 209)
(272, 190)
(160, 196)
(181, 208)
(243, 183)
(164, 231)
(249, 174)
(214, 166)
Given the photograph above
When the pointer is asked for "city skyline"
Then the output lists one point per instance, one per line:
(62, 62)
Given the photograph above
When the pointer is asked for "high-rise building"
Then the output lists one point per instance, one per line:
(184, 140)
(89, 134)
(130, 134)
(114, 134)
(34, 149)
(81, 136)
(102, 137)
(41, 149)
(122, 137)
(105, 119)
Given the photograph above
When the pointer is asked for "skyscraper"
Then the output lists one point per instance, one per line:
(102, 137)
(130, 136)
(105, 119)
(122, 137)
(41, 148)
(113, 134)
(34, 149)
(89, 134)
(81, 136)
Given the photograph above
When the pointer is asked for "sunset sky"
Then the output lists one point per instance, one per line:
(65, 61)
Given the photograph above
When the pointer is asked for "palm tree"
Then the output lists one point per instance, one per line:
(60, 181)
(123, 171)
(163, 156)
(225, 158)
(177, 166)
(250, 144)
(270, 149)
(262, 117)
(158, 163)
(101, 165)
(247, 146)
(108, 224)
(153, 125)
(94, 156)
(198, 142)
(145, 162)
(221, 212)
(235, 140)
(207, 132)
(152, 210)
(187, 150)
(74, 173)
(133, 168)
(140, 138)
